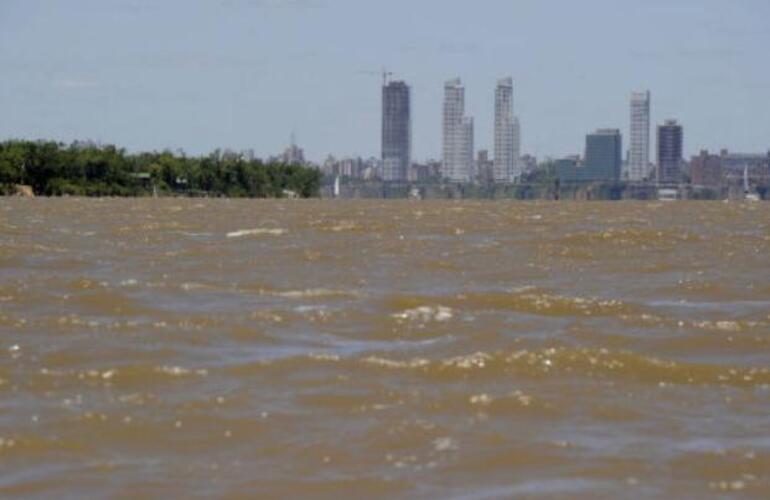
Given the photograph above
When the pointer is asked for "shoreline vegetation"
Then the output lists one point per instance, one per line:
(48, 168)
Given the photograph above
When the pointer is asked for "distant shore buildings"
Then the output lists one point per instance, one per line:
(706, 169)
(728, 168)
(603, 159)
(293, 155)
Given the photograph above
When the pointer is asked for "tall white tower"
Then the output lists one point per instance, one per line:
(505, 161)
(457, 134)
(517, 167)
(639, 149)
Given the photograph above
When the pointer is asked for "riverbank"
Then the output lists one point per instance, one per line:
(82, 169)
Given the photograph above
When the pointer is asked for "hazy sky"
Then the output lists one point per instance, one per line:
(202, 74)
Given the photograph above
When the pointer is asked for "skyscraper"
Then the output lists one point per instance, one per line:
(517, 166)
(670, 139)
(504, 162)
(457, 134)
(396, 131)
(639, 149)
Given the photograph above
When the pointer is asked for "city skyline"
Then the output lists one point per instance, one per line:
(258, 69)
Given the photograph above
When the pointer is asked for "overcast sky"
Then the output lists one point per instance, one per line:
(202, 74)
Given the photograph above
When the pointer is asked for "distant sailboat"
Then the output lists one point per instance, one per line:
(747, 194)
(337, 187)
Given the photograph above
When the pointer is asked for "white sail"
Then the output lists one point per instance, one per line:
(747, 194)
(746, 179)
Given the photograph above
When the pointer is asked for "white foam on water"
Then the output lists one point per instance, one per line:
(257, 232)
(445, 444)
(316, 293)
(426, 313)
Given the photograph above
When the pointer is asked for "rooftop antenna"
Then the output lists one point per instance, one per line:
(385, 76)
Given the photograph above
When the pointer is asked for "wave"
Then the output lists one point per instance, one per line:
(549, 362)
(257, 232)
(527, 300)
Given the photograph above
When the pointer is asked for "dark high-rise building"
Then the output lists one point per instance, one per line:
(396, 131)
(604, 154)
(670, 141)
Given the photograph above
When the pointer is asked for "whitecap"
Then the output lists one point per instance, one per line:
(315, 293)
(426, 313)
(257, 232)
(178, 371)
(445, 444)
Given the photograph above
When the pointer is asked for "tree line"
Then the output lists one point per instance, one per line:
(85, 169)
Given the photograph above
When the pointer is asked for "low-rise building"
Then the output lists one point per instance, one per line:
(528, 163)
(734, 164)
(706, 169)
(485, 167)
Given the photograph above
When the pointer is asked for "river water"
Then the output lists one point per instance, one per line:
(226, 348)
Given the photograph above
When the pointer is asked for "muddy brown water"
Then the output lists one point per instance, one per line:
(225, 348)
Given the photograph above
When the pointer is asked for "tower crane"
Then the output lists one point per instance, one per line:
(386, 75)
